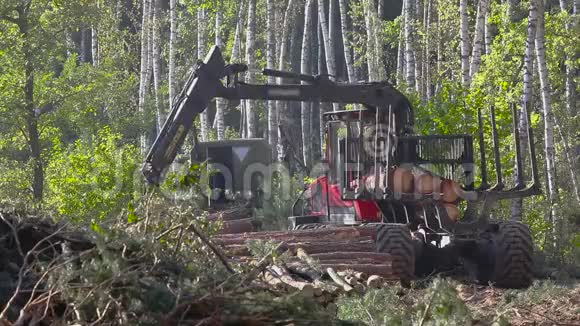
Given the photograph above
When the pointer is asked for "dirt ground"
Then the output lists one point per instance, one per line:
(545, 303)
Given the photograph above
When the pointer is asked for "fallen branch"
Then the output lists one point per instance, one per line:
(213, 248)
(338, 280)
(262, 264)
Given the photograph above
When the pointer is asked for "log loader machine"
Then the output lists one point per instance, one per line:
(367, 150)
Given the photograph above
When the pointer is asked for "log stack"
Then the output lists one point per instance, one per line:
(320, 263)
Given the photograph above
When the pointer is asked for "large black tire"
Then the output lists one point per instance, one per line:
(395, 239)
(513, 263)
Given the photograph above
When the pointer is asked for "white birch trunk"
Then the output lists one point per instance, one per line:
(570, 85)
(427, 60)
(95, 46)
(220, 103)
(346, 41)
(489, 29)
(401, 49)
(478, 39)
(143, 70)
(464, 39)
(328, 45)
(305, 68)
(204, 118)
(172, 41)
(282, 114)
(271, 64)
(370, 44)
(526, 98)
(549, 150)
(156, 55)
(409, 51)
(237, 45)
(251, 62)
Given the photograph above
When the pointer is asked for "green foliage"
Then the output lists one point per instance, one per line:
(439, 305)
(92, 178)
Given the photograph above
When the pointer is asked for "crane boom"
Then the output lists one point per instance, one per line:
(205, 83)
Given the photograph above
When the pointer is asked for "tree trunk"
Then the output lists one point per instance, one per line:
(220, 103)
(328, 44)
(464, 39)
(281, 106)
(95, 47)
(400, 49)
(346, 41)
(305, 68)
(251, 62)
(204, 117)
(143, 80)
(570, 72)
(271, 64)
(427, 55)
(374, 44)
(86, 45)
(156, 25)
(478, 39)
(33, 135)
(409, 52)
(322, 107)
(172, 41)
(569, 161)
(489, 29)
(549, 150)
(525, 102)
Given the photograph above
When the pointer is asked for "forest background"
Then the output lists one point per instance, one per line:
(86, 85)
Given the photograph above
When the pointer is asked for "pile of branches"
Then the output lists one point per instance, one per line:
(54, 273)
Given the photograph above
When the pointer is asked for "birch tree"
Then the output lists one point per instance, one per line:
(409, 51)
(251, 62)
(220, 102)
(305, 68)
(346, 41)
(95, 46)
(270, 64)
(328, 45)
(526, 97)
(549, 151)
(464, 39)
(401, 49)
(156, 55)
(203, 116)
(478, 39)
(143, 78)
(172, 41)
(283, 60)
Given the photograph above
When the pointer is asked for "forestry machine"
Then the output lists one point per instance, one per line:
(376, 171)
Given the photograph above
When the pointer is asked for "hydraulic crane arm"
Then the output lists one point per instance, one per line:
(205, 83)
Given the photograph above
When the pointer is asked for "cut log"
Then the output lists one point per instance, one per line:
(374, 281)
(401, 180)
(361, 275)
(450, 191)
(235, 213)
(262, 264)
(237, 226)
(316, 235)
(452, 211)
(352, 255)
(338, 280)
(305, 288)
(366, 244)
(384, 270)
(427, 183)
(304, 271)
(312, 248)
